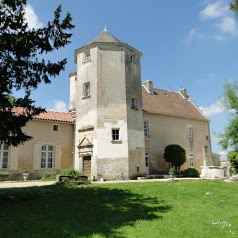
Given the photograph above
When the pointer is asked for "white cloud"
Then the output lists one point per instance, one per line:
(212, 110)
(193, 34)
(58, 106)
(31, 18)
(228, 25)
(215, 10)
(218, 37)
(220, 18)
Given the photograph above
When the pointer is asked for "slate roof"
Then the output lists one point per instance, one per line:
(169, 103)
(105, 36)
(50, 115)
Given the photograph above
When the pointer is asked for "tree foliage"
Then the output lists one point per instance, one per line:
(175, 155)
(23, 65)
(234, 6)
(233, 158)
(230, 101)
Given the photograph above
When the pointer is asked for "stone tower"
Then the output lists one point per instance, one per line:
(106, 99)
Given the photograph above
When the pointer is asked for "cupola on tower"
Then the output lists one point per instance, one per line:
(106, 99)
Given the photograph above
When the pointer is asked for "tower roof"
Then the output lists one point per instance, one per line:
(105, 36)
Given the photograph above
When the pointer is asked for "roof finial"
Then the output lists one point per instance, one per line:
(105, 28)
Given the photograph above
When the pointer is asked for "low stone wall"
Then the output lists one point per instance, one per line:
(214, 172)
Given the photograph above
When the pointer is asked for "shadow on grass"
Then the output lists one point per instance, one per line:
(58, 211)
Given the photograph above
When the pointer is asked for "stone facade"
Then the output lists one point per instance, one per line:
(28, 156)
(108, 105)
(115, 127)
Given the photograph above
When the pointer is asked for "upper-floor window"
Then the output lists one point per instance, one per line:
(190, 133)
(55, 128)
(115, 134)
(191, 160)
(146, 129)
(134, 103)
(4, 156)
(133, 59)
(86, 89)
(47, 156)
(87, 56)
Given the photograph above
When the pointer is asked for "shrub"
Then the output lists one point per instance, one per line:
(50, 175)
(190, 173)
(72, 172)
(175, 155)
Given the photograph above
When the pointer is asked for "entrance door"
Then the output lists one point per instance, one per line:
(87, 165)
(147, 164)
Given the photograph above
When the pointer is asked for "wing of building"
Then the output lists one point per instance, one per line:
(115, 127)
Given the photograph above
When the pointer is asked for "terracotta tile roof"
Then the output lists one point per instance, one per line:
(170, 103)
(50, 115)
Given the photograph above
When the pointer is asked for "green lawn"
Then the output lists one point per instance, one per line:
(153, 209)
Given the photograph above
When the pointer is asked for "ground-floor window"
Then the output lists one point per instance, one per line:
(47, 156)
(4, 156)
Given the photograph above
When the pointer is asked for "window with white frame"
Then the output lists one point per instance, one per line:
(4, 156)
(47, 156)
(191, 160)
(115, 134)
(146, 129)
(86, 89)
(190, 133)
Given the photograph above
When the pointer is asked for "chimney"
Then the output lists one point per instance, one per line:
(149, 86)
(183, 91)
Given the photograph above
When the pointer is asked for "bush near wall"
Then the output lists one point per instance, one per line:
(190, 173)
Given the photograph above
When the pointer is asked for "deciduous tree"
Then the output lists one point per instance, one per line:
(23, 64)
(175, 155)
(230, 101)
(233, 158)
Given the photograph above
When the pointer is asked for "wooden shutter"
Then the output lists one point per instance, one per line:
(36, 156)
(58, 156)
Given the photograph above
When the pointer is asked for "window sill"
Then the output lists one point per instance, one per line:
(86, 97)
(86, 61)
(116, 142)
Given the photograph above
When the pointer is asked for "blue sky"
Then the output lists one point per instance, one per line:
(185, 43)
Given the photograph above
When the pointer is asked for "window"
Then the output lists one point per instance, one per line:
(115, 134)
(87, 56)
(47, 156)
(4, 153)
(191, 160)
(146, 129)
(86, 89)
(55, 127)
(190, 133)
(133, 103)
(146, 160)
(133, 59)
(205, 152)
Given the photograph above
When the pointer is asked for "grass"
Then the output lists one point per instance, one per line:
(183, 209)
